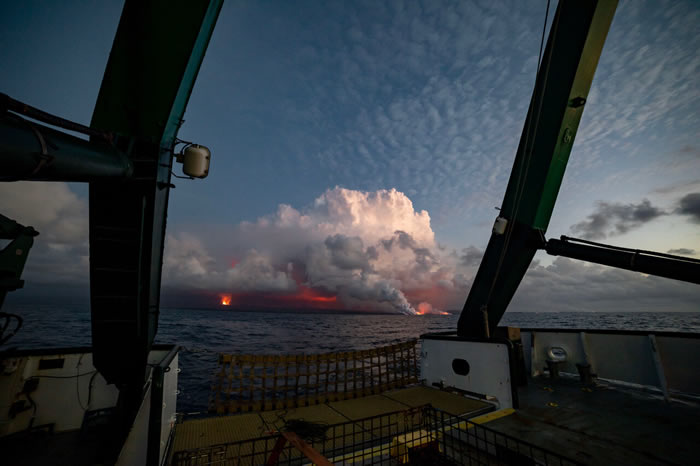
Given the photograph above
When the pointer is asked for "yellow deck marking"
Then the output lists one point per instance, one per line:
(483, 419)
(400, 443)
(488, 417)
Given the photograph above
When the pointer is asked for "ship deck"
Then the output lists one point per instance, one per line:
(202, 433)
(606, 424)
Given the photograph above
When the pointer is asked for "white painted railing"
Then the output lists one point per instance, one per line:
(665, 360)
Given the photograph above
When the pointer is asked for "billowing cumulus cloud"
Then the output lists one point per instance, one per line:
(471, 256)
(187, 261)
(256, 273)
(371, 250)
(374, 251)
(348, 249)
(60, 254)
(615, 218)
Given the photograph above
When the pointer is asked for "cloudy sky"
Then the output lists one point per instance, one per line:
(359, 150)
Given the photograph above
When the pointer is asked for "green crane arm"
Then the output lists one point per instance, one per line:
(563, 81)
(155, 58)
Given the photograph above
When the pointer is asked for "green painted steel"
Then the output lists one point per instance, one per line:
(574, 46)
(155, 58)
(549, 133)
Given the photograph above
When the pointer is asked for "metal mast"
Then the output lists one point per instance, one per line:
(155, 58)
(563, 81)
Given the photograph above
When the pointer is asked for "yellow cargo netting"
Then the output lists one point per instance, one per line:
(246, 382)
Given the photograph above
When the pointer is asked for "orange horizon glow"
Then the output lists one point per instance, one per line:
(425, 308)
(434, 313)
(323, 299)
(303, 297)
(308, 294)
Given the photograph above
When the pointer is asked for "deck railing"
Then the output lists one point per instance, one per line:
(246, 382)
(418, 436)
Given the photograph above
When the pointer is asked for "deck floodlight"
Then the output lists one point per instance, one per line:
(195, 160)
(499, 226)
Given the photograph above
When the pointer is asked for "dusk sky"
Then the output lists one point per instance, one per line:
(359, 150)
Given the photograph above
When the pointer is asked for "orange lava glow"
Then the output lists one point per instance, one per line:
(426, 308)
(434, 313)
(324, 299)
(303, 297)
(308, 294)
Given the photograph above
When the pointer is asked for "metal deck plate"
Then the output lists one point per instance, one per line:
(318, 413)
(606, 425)
(367, 406)
(444, 401)
(199, 433)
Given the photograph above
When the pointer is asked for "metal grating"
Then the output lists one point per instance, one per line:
(246, 382)
(417, 436)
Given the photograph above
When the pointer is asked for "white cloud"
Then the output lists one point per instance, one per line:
(51, 208)
(373, 250)
(186, 262)
(338, 246)
(60, 252)
(370, 249)
(256, 273)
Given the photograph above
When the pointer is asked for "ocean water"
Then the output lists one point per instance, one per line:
(204, 333)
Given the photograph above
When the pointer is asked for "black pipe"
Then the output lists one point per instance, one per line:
(33, 152)
(8, 103)
(662, 265)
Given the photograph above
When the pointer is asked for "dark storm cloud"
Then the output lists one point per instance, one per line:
(471, 256)
(400, 239)
(425, 260)
(690, 205)
(348, 253)
(569, 286)
(616, 218)
(682, 251)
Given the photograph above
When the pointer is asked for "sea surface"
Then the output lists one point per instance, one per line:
(204, 333)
